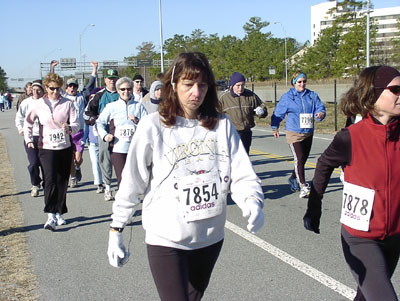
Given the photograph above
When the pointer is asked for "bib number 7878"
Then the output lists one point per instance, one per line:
(357, 206)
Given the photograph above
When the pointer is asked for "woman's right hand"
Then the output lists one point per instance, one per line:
(276, 134)
(30, 145)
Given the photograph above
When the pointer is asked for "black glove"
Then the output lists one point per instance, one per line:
(311, 224)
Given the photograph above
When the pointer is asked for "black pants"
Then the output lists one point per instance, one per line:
(118, 161)
(246, 136)
(34, 166)
(372, 263)
(56, 169)
(301, 151)
(182, 275)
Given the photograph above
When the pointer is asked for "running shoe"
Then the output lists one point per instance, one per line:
(50, 224)
(294, 185)
(35, 191)
(108, 195)
(304, 191)
(100, 189)
(78, 174)
(60, 220)
(73, 183)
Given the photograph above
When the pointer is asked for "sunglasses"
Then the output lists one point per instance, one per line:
(127, 89)
(54, 88)
(394, 89)
(138, 81)
(301, 81)
(73, 86)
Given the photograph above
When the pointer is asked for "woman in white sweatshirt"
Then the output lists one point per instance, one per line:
(184, 159)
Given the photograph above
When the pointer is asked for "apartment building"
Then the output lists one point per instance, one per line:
(384, 18)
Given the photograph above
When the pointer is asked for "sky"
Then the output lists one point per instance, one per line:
(39, 31)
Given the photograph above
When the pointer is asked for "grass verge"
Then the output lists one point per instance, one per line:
(17, 281)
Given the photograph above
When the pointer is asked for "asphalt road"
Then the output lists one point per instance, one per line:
(282, 262)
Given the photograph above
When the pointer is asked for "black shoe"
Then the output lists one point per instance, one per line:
(78, 174)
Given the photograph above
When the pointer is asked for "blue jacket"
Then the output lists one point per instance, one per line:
(292, 103)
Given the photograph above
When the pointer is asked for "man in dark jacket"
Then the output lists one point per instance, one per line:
(241, 105)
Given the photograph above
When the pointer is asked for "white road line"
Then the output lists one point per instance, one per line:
(269, 131)
(324, 279)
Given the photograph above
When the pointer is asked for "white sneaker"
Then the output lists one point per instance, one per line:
(73, 183)
(35, 191)
(60, 220)
(100, 189)
(304, 191)
(108, 195)
(50, 224)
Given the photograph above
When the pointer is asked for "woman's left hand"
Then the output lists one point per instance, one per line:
(319, 115)
(134, 119)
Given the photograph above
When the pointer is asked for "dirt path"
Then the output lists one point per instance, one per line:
(17, 281)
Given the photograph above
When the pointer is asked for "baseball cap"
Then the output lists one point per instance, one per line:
(112, 73)
(72, 81)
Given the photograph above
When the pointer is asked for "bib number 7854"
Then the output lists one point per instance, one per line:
(199, 194)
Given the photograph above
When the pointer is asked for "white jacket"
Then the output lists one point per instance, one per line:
(116, 113)
(157, 160)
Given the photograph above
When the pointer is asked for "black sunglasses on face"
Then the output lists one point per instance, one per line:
(54, 88)
(73, 86)
(394, 89)
(123, 89)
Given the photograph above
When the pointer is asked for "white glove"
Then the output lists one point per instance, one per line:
(253, 210)
(117, 255)
(108, 138)
(259, 111)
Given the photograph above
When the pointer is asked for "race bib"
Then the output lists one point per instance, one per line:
(200, 196)
(57, 137)
(125, 132)
(357, 206)
(306, 120)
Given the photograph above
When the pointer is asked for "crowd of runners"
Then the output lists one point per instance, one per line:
(180, 149)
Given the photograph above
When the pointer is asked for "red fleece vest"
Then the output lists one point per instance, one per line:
(375, 164)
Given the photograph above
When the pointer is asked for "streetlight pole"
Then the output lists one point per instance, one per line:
(80, 42)
(286, 60)
(161, 37)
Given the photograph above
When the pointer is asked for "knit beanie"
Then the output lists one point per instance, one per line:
(155, 86)
(235, 78)
(383, 76)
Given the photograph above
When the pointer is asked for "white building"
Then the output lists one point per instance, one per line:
(385, 18)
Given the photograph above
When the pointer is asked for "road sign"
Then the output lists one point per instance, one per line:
(145, 63)
(68, 63)
(110, 64)
(271, 70)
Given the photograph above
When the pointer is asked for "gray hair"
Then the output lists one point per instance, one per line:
(123, 80)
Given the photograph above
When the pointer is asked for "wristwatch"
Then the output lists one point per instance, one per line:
(115, 229)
